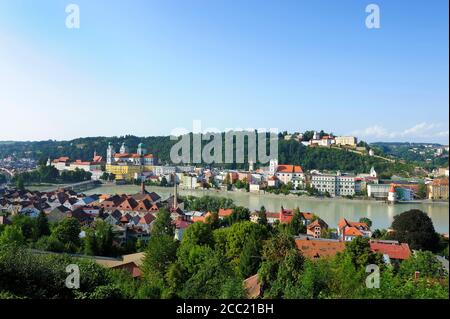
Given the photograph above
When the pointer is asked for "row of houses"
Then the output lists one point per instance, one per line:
(131, 216)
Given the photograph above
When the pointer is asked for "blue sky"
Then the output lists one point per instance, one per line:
(147, 67)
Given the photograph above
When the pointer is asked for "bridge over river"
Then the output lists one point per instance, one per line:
(76, 187)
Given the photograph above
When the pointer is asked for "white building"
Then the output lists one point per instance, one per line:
(290, 174)
(346, 141)
(378, 191)
(163, 170)
(188, 181)
(335, 185)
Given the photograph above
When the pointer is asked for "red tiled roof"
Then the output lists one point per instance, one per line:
(62, 159)
(289, 169)
(181, 224)
(352, 231)
(440, 182)
(343, 222)
(225, 212)
(313, 249)
(393, 250)
(307, 216)
(147, 219)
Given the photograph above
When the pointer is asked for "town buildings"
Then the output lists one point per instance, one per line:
(348, 230)
(95, 166)
(128, 166)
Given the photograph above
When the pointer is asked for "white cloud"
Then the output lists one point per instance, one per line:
(419, 131)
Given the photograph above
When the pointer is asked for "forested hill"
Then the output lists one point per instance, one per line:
(290, 152)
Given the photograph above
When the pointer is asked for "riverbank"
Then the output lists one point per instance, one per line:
(329, 209)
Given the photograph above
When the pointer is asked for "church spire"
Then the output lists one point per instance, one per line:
(142, 188)
(175, 195)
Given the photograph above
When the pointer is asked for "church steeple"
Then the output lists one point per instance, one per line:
(143, 188)
(175, 193)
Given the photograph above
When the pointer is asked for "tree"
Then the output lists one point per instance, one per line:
(42, 226)
(20, 184)
(238, 235)
(12, 235)
(163, 224)
(250, 258)
(160, 253)
(415, 228)
(281, 265)
(104, 238)
(68, 233)
(262, 217)
(26, 225)
(359, 252)
(422, 191)
(296, 225)
(210, 280)
(366, 220)
(425, 262)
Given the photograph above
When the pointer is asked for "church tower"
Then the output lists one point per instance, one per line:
(273, 166)
(141, 150)
(175, 193)
(110, 151)
(373, 173)
(123, 148)
(251, 166)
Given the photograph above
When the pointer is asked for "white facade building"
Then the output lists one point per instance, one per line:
(335, 185)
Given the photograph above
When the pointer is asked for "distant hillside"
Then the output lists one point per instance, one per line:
(419, 153)
(290, 152)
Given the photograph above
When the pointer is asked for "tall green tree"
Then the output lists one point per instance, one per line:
(159, 254)
(68, 233)
(42, 226)
(12, 235)
(262, 217)
(163, 224)
(415, 228)
(250, 258)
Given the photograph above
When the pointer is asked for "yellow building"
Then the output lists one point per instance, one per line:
(438, 189)
(128, 166)
(124, 171)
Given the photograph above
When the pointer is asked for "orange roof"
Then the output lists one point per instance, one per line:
(313, 249)
(97, 158)
(61, 159)
(289, 169)
(393, 250)
(392, 188)
(225, 212)
(343, 222)
(80, 162)
(352, 231)
(440, 182)
(201, 219)
(308, 216)
(315, 224)
(119, 155)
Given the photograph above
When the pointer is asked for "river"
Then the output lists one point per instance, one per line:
(330, 210)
